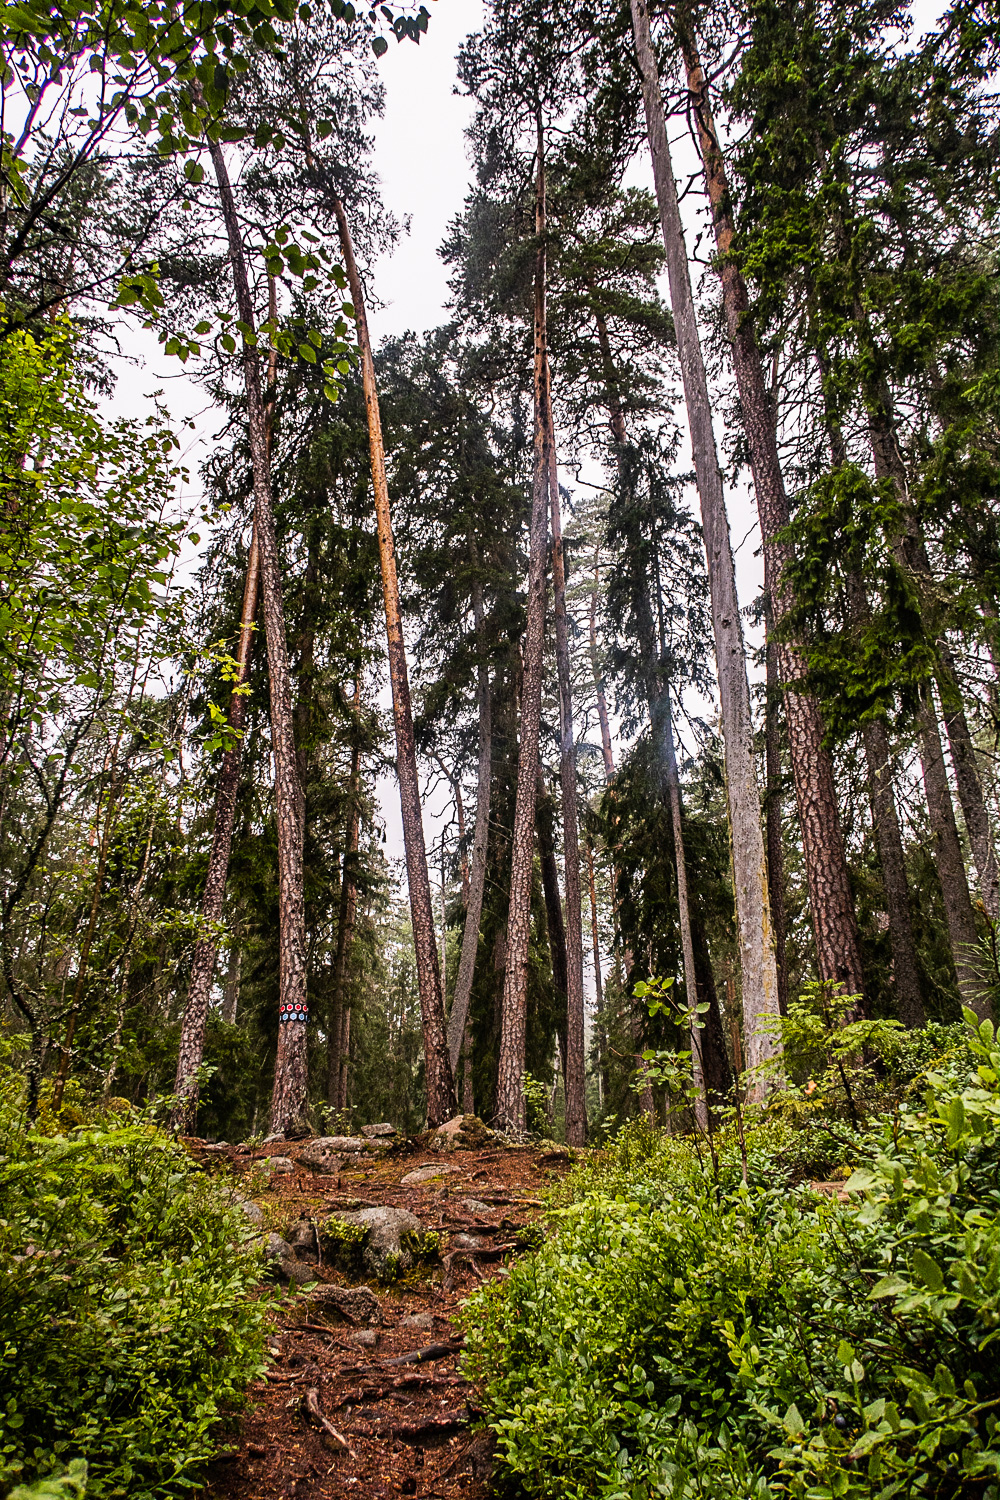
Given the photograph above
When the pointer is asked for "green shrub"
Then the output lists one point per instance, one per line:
(683, 1335)
(126, 1333)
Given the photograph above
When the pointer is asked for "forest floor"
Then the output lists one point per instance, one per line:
(394, 1393)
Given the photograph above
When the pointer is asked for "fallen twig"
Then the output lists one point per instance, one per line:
(419, 1356)
(311, 1404)
(442, 1423)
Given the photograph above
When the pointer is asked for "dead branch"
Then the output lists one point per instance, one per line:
(311, 1405)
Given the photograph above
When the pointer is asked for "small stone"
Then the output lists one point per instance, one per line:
(418, 1320)
(554, 1156)
(304, 1241)
(248, 1208)
(464, 1131)
(375, 1132)
(426, 1173)
(473, 1206)
(285, 1263)
(469, 1242)
(366, 1337)
(280, 1164)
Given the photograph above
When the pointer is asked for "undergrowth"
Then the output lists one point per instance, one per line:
(682, 1333)
(126, 1331)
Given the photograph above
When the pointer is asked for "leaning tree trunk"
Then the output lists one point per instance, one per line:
(830, 898)
(339, 1028)
(457, 1021)
(442, 1103)
(756, 936)
(510, 1111)
(288, 1100)
(576, 1103)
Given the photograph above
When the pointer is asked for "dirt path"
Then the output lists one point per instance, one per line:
(405, 1422)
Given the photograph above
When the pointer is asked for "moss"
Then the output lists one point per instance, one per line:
(422, 1247)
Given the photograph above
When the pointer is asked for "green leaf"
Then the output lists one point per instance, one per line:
(379, 46)
(308, 353)
(890, 1286)
(928, 1270)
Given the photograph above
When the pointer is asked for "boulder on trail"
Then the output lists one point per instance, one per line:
(304, 1239)
(279, 1163)
(379, 1132)
(388, 1239)
(355, 1304)
(324, 1154)
(466, 1132)
(285, 1263)
(426, 1173)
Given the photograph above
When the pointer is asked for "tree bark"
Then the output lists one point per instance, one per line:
(288, 1100)
(544, 819)
(906, 971)
(830, 896)
(683, 909)
(602, 702)
(950, 864)
(510, 1111)
(598, 978)
(576, 1104)
(772, 806)
(442, 1103)
(969, 783)
(339, 1027)
(756, 936)
(458, 1020)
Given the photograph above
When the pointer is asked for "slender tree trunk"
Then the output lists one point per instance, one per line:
(510, 1112)
(830, 896)
(544, 820)
(950, 864)
(595, 938)
(969, 783)
(683, 909)
(468, 1094)
(463, 853)
(288, 1101)
(576, 1103)
(756, 936)
(459, 1018)
(602, 702)
(442, 1104)
(340, 1010)
(906, 972)
(772, 807)
(305, 675)
(231, 988)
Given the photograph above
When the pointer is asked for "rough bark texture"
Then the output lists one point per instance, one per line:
(192, 1042)
(510, 1112)
(339, 1026)
(756, 937)
(830, 896)
(602, 702)
(544, 821)
(442, 1103)
(598, 979)
(950, 863)
(288, 1100)
(459, 1018)
(576, 1104)
(905, 970)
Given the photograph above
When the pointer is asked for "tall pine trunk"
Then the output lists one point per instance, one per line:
(288, 1100)
(576, 1104)
(442, 1104)
(339, 1025)
(599, 691)
(830, 898)
(192, 1043)
(756, 936)
(905, 969)
(510, 1110)
(968, 783)
(772, 804)
(457, 1021)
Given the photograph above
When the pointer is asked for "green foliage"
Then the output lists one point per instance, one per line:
(536, 1104)
(679, 1337)
(70, 1485)
(127, 1331)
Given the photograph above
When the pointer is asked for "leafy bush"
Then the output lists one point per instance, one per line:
(126, 1333)
(683, 1335)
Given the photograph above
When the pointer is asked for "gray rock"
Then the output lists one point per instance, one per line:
(280, 1163)
(250, 1210)
(285, 1263)
(303, 1239)
(471, 1242)
(376, 1132)
(384, 1253)
(366, 1337)
(466, 1131)
(418, 1320)
(427, 1173)
(319, 1156)
(475, 1207)
(356, 1304)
